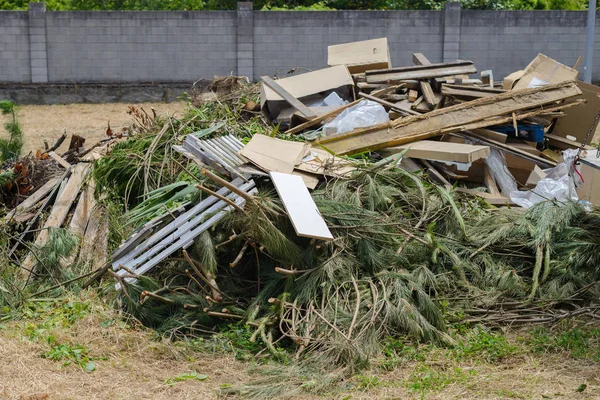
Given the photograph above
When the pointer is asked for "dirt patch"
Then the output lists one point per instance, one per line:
(48, 122)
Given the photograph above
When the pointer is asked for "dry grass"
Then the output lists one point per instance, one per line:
(136, 364)
(48, 122)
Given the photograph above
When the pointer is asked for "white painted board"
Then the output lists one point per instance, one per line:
(300, 206)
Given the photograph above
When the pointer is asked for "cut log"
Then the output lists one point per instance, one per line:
(420, 72)
(445, 120)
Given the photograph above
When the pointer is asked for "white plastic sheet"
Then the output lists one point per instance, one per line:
(365, 113)
(559, 184)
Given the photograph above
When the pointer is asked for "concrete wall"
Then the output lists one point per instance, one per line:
(42, 46)
(282, 43)
(506, 41)
(14, 47)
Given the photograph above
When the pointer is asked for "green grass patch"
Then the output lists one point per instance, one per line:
(425, 379)
(579, 343)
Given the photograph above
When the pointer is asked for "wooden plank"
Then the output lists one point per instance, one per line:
(490, 198)
(435, 174)
(413, 95)
(490, 182)
(490, 134)
(447, 119)
(420, 72)
(440, 151)
(80, 219)
(59, 160)
(420, 59)
(32, 200)
(510, 149)
(564, 143)
(59, 211)
(322, 118)
(428, 95)
(467, 93)
(387, 104)
(300, 206)
(294, 102)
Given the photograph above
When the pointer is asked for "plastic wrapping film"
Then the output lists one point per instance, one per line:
(559, 184)
(496, 164)
(365, 113)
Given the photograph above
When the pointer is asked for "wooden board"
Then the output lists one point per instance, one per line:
(420, 72)
(60, 210)
(300, 206)
(322, 118)
(294, 102)
(447, 119)
(59, 160)
(428, 94)
(32, 200)
(440, 151)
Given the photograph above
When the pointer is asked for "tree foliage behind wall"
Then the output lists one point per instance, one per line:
(298, 4)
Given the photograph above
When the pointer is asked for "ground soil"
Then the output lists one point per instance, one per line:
(48, 122)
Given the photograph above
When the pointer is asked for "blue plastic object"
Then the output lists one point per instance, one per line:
(530, 132)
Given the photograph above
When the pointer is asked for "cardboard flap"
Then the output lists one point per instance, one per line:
(543, 70)
(271, 154)
(360, 56)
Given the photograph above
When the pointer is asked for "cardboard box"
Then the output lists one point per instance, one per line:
(360, 56)
(541, 71)
(590, 171)
(310, 87)
(578, 120)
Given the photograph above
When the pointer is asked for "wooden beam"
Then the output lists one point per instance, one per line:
(444, 120)
(322, 118)
(59, 160)
(428, 94)
(564, 143)
(421, 72)
(387, 104)
(510, 149)
(59, 211)
(490, 182)
(294, 102)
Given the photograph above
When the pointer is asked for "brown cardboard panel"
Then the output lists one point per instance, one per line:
(544, 71)
(578, 120)
(590, 171)
(307, 87)
(271, 154)
(360, 56)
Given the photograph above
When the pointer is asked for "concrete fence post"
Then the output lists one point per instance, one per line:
(38, 53)
(245, 39)
(451, 36)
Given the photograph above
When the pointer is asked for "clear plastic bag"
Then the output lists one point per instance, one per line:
(365, 113)
(558, 185)
(496, 164)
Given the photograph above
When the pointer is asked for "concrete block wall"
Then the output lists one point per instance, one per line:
(286, 40)
(15, 64)
(506, 41)
(140, 46)
(43, 46)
